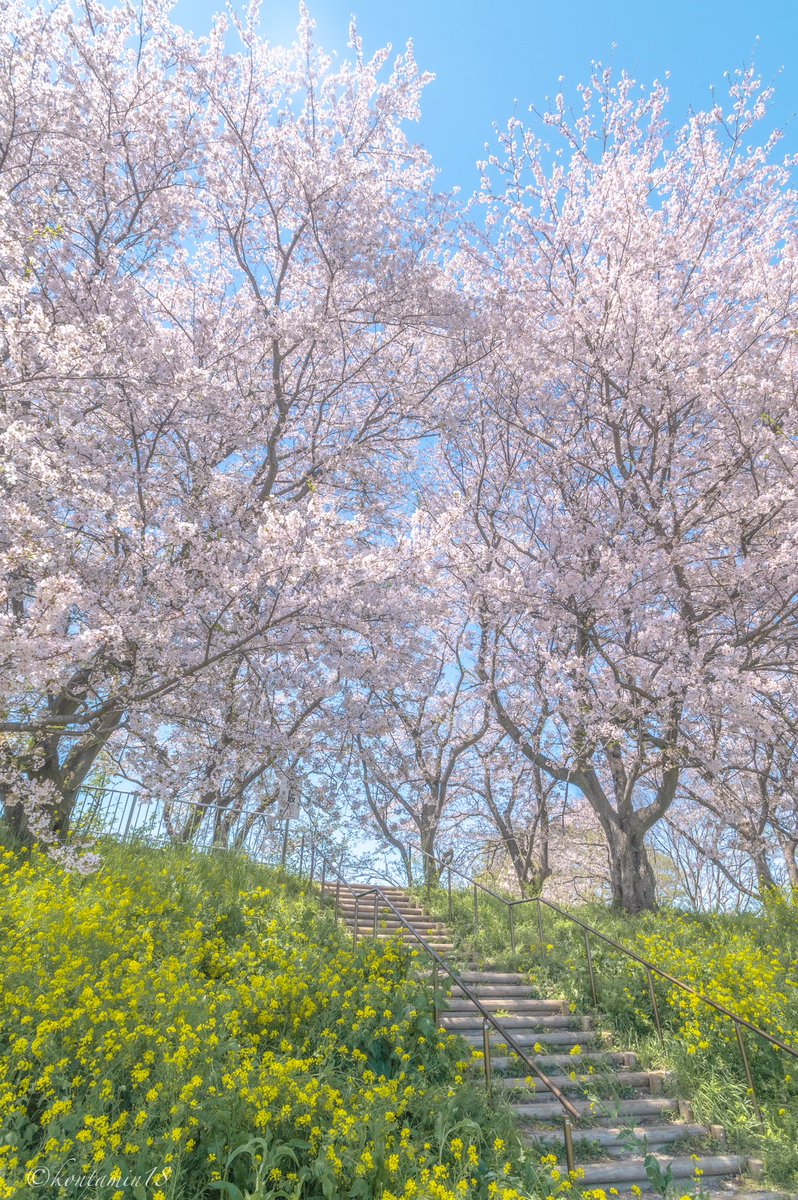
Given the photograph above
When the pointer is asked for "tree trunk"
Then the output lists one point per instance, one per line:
(432, 871)
(764, 876)
(56, 815)
(789, 848)
(17, 820)
(531, 871)
(634, 888)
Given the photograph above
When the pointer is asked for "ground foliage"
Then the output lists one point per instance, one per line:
(197, 1018)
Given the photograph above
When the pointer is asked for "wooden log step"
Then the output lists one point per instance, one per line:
(511, 1004)
(557, 1064)
(492, 978)
(614, 1138)
(601, 1081)
(564, 1037)
(616, 1174)
(639, 1106)
(460, 1021)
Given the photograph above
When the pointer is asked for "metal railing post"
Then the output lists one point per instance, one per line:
(568, 1138)
(133, 800)
(449, 888)
(301, 854)
(337, 896)
(312, 860)
(285, 845)
(511, 914)
(476, 910)
(655, 1006)
(435, 991)
(749, 1077)
(486, 1056)
(357, 918)
(375, 915)
(541, 942)
(590, 970)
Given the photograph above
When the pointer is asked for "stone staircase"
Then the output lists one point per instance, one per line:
(435, 935)
(624, 1113)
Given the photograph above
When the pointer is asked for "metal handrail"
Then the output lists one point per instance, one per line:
(650, 967)
(487, 1016)
(569, 1111)
(644, 962)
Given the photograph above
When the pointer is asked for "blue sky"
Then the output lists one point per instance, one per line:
(488, 54)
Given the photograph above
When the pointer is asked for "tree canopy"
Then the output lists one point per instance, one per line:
(486, 507)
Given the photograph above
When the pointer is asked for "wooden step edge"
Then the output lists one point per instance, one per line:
(640, 1107)
(550, 1037)
(607, 1076)
(617, 1174)
(517, 1021)
(609, 1137)
(559, 1065)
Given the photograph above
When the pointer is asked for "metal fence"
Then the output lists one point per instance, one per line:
(264, 834)
(123, 816)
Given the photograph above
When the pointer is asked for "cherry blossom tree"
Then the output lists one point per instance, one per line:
(225, 321)
(297, 467)
(627, 487)
(221, 755)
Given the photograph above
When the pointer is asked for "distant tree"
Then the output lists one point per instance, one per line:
(518, 802)
(415, 748)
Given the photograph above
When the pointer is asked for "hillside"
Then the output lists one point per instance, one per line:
(194, 1021)
(179, 1026)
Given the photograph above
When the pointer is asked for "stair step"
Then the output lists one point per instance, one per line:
(634, 1171)
(505, 991)
(511, 1004)
(369, 890)
(555, 1064)
(399, 927)
(515, 1021)
(492, 978)
(612, 1138)
(599, 1080)
(442, 949)
(385, 914)
(419, 926)
(564, 1037)
(367, 899)
(640, 1106)
(402, 934)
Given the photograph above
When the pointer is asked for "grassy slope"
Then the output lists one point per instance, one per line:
(171, 1011)
(748, 963)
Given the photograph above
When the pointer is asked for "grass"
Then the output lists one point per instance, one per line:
(748, 963)
(177, 1027)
